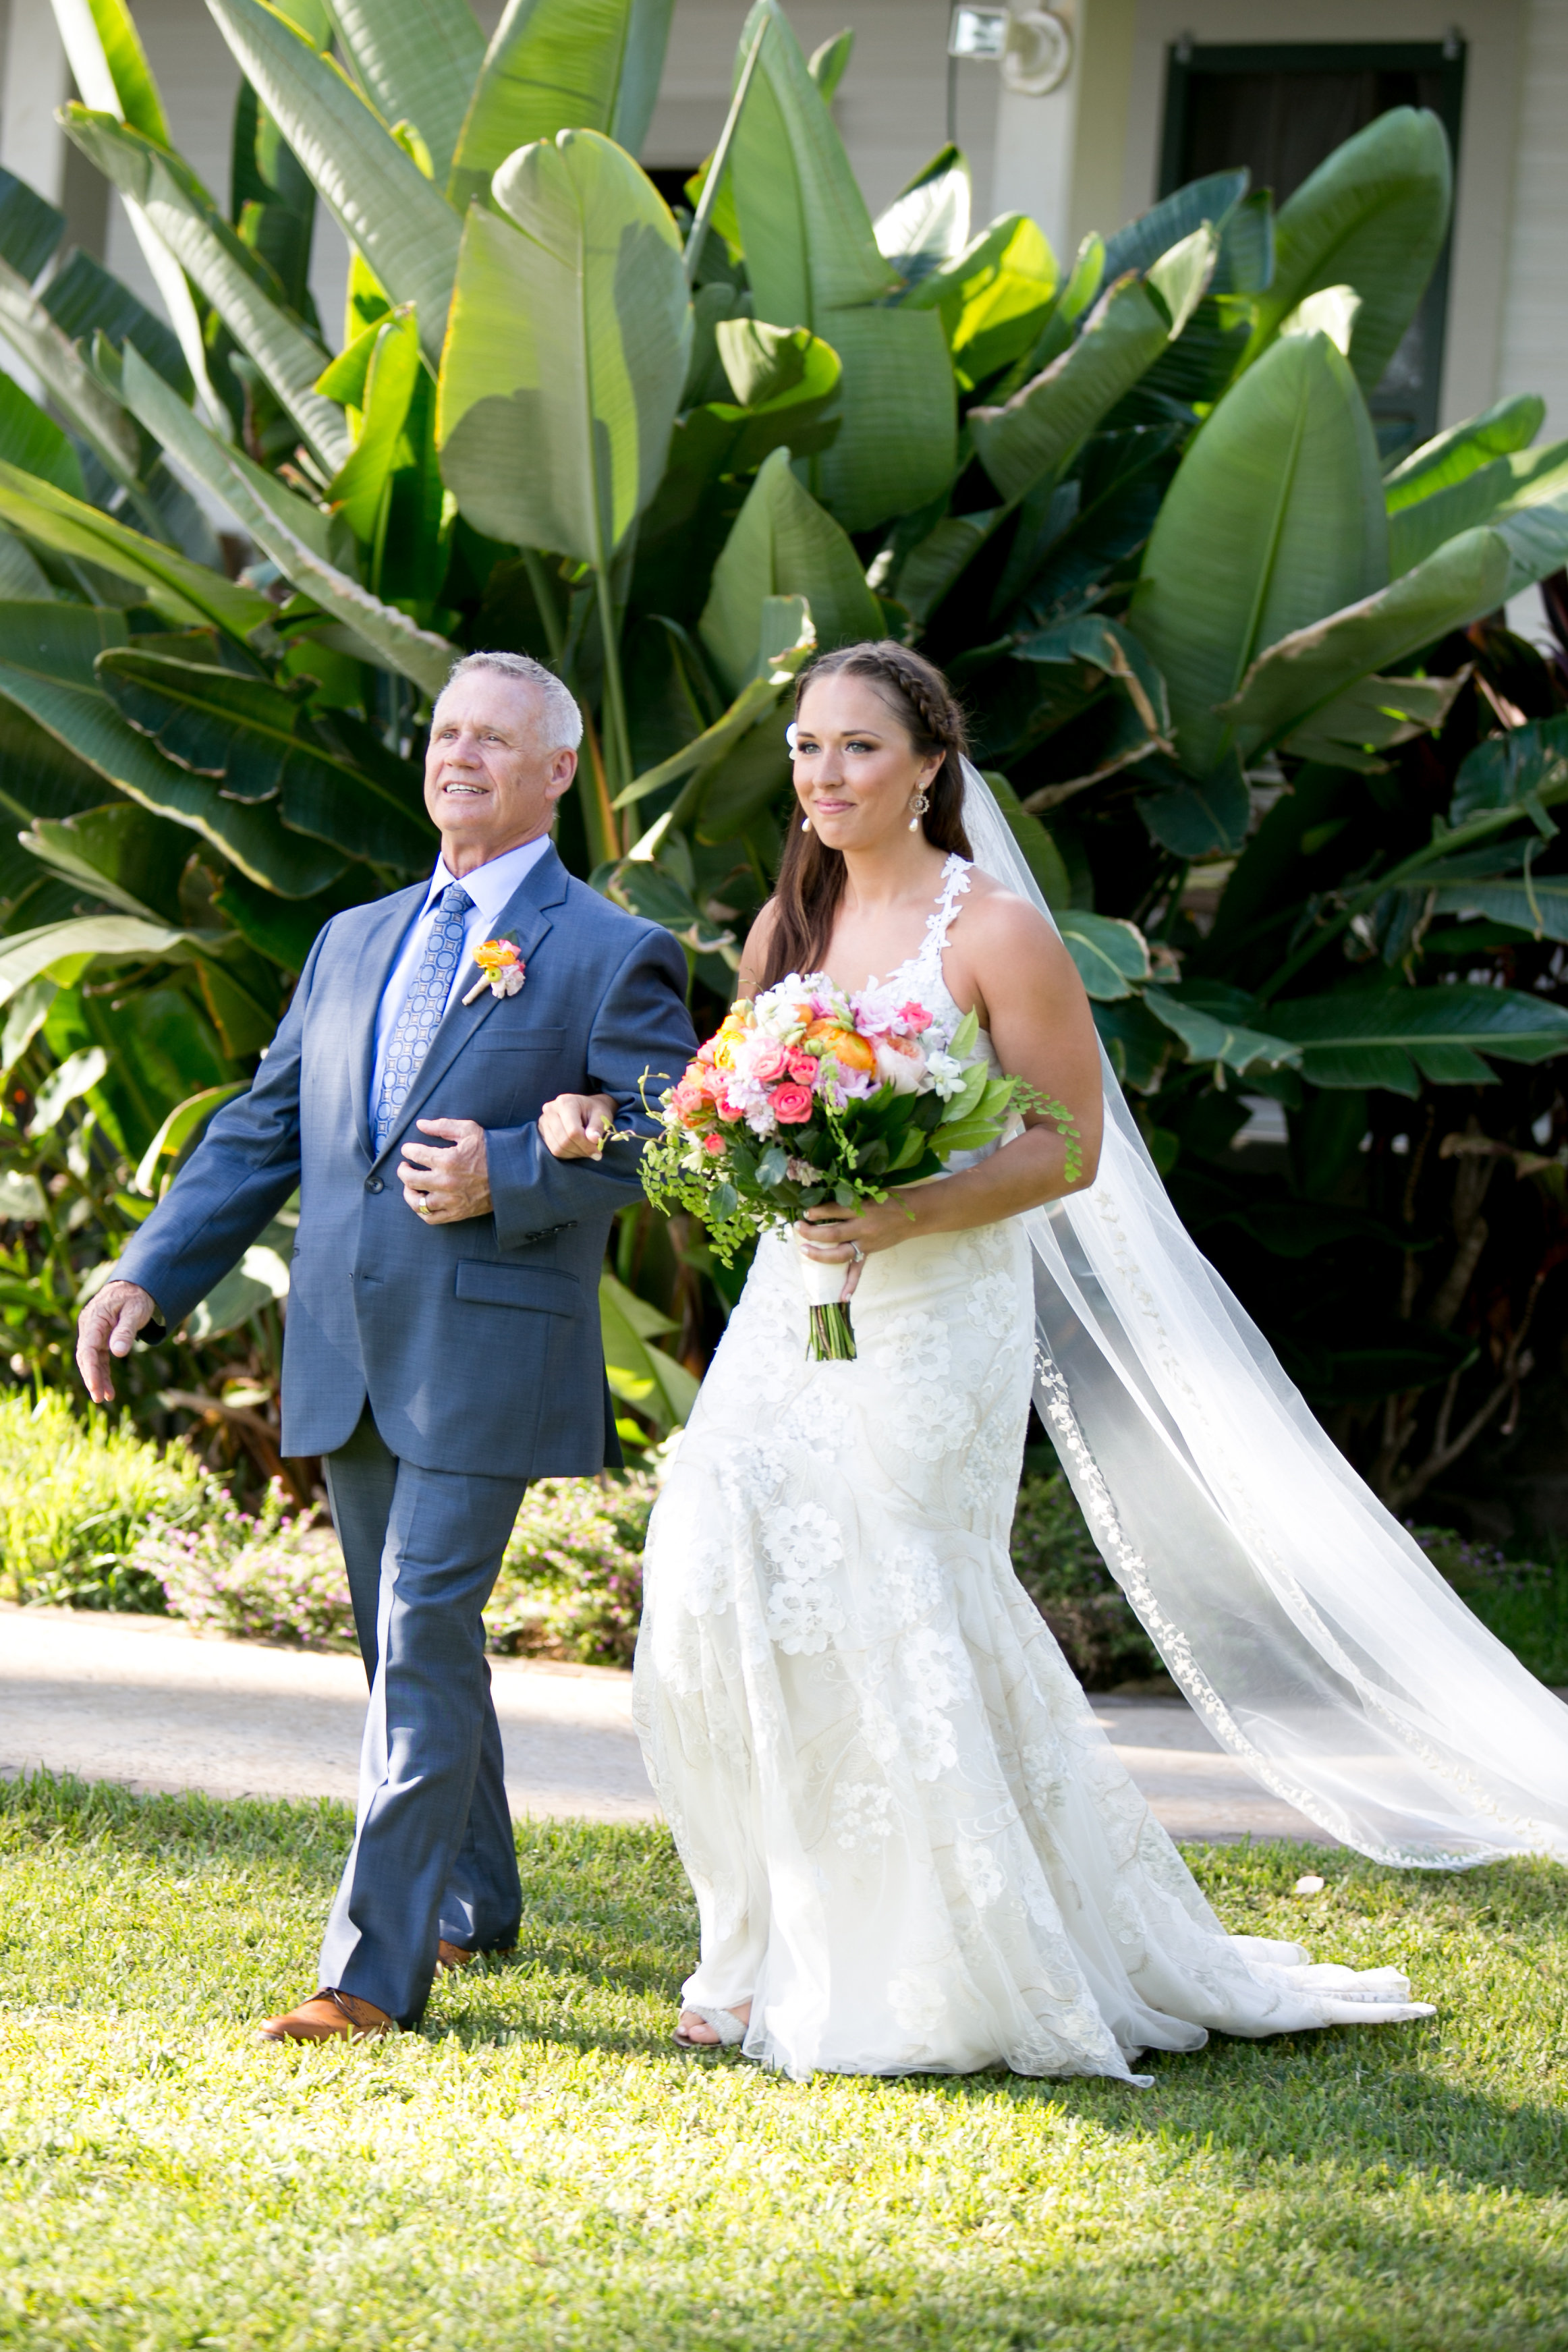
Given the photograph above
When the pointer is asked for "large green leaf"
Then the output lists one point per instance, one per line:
(566, 352)
(186, 591)
(812, 261)
(1465, 448)
(927, 224)
(1383, 1036)
(253, 738)
(787, 638)
(33, 442)
(1304, 671)
(638, 1372)
(229, 274)
(1039, 852)
(377, 195)
(1111, 954)
(783, 544)
(1508, 486)
(1037, 431)
(1275, 518)
(417, 60)
(1373, 216)
(125, 855)
(993, 298)
(1141, 243)
(1536, 905)
(560, 65)
(293, 544)
(1213, 1035)
(111, 71)
(100, 38)
(66, 950)
(1372, 716)
(47, 656)
(41, 345)
(390, 377)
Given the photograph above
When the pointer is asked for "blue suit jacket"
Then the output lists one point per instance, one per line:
(476, 1343)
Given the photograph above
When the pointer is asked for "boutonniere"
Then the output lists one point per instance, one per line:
(501, 969)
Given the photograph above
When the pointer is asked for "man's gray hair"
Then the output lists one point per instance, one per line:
(561, 720)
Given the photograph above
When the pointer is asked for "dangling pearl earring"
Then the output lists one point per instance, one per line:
(805, 824)
(919, 805)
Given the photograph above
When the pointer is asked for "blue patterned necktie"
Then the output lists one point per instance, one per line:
(421, 1008)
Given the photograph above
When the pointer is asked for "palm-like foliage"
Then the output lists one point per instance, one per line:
(1134, 503)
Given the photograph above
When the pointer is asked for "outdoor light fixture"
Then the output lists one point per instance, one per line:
(977, 32)
(1033, 46)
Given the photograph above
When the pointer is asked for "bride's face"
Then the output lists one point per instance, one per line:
(855, 765)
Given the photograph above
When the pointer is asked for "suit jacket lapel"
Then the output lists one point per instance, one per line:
(525, 917)
(368, 985)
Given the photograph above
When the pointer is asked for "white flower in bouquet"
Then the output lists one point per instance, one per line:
(947, 1074)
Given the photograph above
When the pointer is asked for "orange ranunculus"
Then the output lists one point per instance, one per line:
(847, 1047)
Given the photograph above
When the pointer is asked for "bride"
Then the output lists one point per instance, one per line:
(912, 1848)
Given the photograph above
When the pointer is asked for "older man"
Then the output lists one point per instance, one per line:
(443, 1334)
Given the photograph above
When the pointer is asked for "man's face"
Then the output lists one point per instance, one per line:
(490, 782)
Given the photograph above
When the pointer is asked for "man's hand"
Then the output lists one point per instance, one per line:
(444, 1183)
(573, 1127)
(110, 1322)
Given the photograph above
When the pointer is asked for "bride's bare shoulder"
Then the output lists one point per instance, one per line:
(1000, 913)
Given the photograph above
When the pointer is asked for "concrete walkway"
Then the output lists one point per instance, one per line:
(146, 1701)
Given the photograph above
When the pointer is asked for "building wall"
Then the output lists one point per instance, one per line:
(1484, 186)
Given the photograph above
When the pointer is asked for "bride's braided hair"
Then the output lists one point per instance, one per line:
(811, 876)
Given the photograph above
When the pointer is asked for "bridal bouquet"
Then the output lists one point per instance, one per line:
(806, 1095)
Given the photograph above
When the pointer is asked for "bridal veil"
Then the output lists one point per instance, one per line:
(1303, 1622)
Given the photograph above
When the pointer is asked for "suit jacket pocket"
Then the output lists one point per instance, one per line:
(501, 1036)
(541, 1288)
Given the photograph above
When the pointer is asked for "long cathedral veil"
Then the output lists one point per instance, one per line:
(1303, 1622)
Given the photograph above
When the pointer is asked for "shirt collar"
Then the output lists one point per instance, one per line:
(490, 885)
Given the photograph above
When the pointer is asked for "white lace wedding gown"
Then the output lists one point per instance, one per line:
(912, 1847)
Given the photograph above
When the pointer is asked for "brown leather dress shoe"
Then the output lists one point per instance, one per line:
(453, 1956)
(330, 2016)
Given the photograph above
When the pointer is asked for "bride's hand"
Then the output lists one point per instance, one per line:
(573, 1127)
(832, 1234)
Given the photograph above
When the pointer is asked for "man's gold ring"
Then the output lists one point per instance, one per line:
(424, 1204)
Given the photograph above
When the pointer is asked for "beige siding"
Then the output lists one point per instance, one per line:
(1535, 304)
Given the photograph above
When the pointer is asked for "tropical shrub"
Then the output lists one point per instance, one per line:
(273, 1575)
(1234, 668)
(75, 1494)
(571, 1576)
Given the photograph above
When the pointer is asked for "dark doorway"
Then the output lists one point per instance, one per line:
(1281, 110)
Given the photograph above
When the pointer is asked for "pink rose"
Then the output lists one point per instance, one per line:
(687, 1101)
(914, 1016)
(791, 1105)
(713, 1145)
(805, 1069)
(769, 1061)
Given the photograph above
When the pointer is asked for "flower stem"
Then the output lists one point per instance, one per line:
(832, 1336)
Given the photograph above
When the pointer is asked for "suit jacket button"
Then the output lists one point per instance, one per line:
(372, 1184)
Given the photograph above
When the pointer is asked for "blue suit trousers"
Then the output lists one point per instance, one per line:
(433, 1855)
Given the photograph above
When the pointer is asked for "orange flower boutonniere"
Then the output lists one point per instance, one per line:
(501, 969)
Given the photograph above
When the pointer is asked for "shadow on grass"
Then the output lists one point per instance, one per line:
(607, 1912)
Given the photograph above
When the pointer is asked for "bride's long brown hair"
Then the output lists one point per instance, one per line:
(811, 877)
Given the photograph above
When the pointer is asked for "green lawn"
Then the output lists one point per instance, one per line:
(540, 2169)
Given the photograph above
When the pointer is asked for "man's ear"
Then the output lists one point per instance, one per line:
(563, 768)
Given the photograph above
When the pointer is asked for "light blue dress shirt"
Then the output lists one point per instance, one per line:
(490, 888)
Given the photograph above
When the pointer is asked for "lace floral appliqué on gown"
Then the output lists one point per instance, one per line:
(912, 1847)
